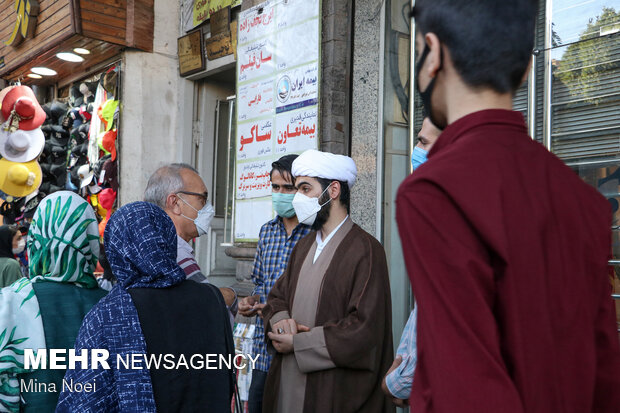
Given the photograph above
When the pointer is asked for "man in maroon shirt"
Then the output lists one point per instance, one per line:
(505, 246)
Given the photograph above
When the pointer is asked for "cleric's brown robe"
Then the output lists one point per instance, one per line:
(353, 314)
(310, 351)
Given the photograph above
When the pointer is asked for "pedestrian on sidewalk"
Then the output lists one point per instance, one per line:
(11, 244)
(506, 246)
(330, 313)
(179, 190)
(46, 310)
(152, 311)
(399, 379)
(276, 241)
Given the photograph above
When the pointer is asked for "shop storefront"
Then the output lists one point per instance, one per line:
(267, 81)
(571, 103)
(578, 71)
(231, 85)
(71, 54)
(259, 71)
(206, 53)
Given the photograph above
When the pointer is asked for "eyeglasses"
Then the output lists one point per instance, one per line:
(204, 196)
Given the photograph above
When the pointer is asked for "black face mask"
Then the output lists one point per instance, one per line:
(426, 94)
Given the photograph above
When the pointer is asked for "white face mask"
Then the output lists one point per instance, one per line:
(203, 219)
(306, 208)
(21, 245)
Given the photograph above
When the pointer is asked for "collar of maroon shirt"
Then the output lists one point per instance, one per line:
(458, 128)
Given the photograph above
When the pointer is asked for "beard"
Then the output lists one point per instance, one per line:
(323, 215)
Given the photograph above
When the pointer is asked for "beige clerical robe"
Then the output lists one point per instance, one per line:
(344, 297)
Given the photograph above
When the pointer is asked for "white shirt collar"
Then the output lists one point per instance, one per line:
(184, 246)
(320, 244)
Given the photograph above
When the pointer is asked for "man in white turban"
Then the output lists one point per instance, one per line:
(330, 312)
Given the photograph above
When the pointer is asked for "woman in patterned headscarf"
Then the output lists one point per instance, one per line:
(46, 311)
(155, 307)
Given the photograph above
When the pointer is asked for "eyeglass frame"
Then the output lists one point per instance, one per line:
(204, 195)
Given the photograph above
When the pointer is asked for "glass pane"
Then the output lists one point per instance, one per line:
(221, 169)
(605, 176)
(585, 104)
(396, 159)
(225, 167)
(519, 101)
(575, 20)
(232, 115)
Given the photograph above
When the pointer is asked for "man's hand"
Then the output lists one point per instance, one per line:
(259, 309)
(288, 326)
(283, 342)
(398, 402)
(248, 306)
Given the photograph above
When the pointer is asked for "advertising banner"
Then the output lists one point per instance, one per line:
(278, 78)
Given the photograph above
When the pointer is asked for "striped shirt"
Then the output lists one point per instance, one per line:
(272, 254)
(187, 262)
(399, 381)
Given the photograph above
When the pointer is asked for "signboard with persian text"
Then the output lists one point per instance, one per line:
(202, 10)
(278, 78)
(189, 50)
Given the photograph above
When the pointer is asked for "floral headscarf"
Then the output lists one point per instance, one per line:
(63, 246)
(63, 241)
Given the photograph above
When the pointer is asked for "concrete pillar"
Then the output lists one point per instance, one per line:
(366, 115)
(155, 122)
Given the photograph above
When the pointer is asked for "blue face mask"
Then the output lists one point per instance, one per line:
(283, 204)
(418, 157)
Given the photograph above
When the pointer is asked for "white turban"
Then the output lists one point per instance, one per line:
(325, 165)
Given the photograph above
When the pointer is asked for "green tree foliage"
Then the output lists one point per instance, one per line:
(586, 62)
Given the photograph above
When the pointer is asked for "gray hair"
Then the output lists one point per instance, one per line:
(165, 181)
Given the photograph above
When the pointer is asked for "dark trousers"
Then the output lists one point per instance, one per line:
(255, 398)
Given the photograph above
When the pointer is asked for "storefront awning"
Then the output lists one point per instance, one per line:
(31, 38)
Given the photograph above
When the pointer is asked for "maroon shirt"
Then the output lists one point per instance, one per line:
(506, 249)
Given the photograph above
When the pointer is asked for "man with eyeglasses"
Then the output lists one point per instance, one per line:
(180, 191)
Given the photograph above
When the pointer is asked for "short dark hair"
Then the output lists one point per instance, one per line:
(284, 166)
(490, 41)
(345, 192)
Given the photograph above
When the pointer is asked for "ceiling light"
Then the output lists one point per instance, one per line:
(34, 76)
(70, 57)
(44, 71)
(80, 50)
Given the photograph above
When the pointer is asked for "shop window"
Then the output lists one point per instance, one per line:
(397, 148)
(213, 135)
(584, 65)
(570, 102)
(520, 101)
(585, 105)
(225, 165)
(583, 55)
(584, 114)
